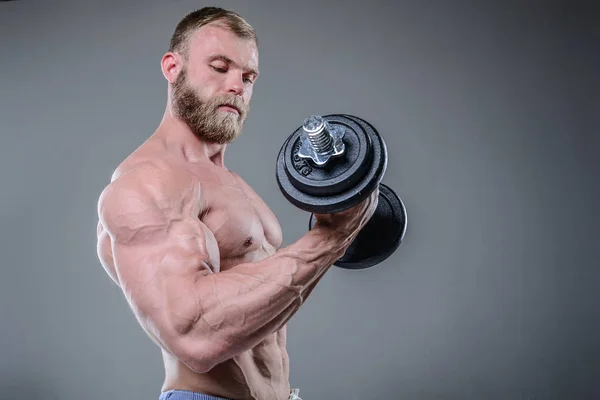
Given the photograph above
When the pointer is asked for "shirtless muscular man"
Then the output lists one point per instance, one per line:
(197, 253)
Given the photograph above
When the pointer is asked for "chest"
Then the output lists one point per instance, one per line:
(243, 225)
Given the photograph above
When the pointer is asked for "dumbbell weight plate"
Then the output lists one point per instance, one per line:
(341, 184)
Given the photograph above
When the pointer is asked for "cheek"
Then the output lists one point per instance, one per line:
(248, 94)
(204, 88)
(202, 80)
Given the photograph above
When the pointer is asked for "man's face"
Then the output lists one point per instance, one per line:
(213, 90)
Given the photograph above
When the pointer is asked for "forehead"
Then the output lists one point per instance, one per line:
(213, 39)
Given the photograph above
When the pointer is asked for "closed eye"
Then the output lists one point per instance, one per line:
(249, 79)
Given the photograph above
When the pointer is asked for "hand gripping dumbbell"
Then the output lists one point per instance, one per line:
(330, 164)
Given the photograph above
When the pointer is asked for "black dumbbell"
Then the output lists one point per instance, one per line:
(330, 164)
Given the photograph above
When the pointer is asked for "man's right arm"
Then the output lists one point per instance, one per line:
(161, 252)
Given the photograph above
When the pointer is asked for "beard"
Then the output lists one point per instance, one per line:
(203, 116)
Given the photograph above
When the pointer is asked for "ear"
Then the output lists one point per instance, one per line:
(171, 65)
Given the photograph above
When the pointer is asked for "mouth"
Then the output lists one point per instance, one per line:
(231, 108)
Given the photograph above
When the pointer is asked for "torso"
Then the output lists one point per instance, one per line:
(245, 230)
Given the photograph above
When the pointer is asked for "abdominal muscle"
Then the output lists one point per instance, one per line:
(259, 373)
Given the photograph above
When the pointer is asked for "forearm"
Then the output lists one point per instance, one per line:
(244, 304)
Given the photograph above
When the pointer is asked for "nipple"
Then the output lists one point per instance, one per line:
(248, 242)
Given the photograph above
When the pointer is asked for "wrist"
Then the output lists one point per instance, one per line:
(334, 239)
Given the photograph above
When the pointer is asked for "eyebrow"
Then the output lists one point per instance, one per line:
(228, 60)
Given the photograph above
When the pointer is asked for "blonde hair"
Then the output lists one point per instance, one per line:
(196, 19)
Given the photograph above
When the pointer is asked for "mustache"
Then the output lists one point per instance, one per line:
(230, 100)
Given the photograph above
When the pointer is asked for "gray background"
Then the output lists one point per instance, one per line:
(490, 113)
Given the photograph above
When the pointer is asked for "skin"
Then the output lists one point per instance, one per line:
(196, 252)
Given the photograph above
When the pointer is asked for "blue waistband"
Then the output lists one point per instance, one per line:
(187, 395)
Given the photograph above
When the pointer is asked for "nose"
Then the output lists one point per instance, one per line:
(235, 84)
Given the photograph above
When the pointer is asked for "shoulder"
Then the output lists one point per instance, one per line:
(147, 194)
(241, 182)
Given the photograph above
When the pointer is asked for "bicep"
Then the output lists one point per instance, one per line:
(157, 273)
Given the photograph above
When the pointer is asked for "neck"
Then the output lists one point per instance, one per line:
(179, 138)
